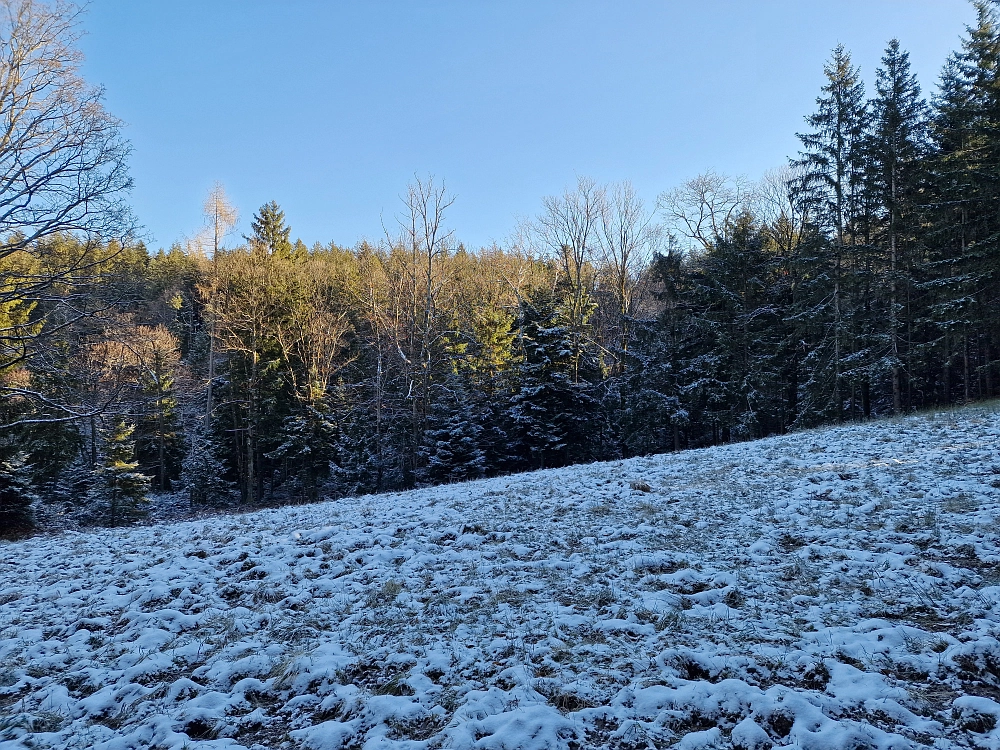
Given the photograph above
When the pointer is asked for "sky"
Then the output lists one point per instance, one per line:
(331, 108)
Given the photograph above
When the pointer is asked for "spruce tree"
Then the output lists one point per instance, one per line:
(309, 442)
(664, 381)
(743, 321)
(490, 366)
(71, 486)
(897, 150)
(652, 416)
(158, 437)
(363, 464)
(452, 449)
(961, 278)
(370, 422)
(119, 492)
(556, 416)
(831, 189)
(204, 474)
(16, 495)
(270, 232)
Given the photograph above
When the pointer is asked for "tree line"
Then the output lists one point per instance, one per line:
(859, 280)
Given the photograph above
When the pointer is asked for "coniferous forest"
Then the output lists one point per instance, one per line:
(859, 280)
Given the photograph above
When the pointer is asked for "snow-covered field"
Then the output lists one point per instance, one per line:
(829, 589)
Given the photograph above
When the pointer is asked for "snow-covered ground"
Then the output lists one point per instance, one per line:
(829, 589)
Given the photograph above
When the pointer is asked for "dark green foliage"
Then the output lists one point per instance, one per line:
(959, 280)
(159, 440)
(831, 189)
(119, 492)
(452, 449)
(866, 282)
(270, 232)
(16, 496)
(70, 490)
(557, 420)
(304, 457)
(362, 462)
(204, 474)
(897, 149)
(710, 368)
(650, 414)
(832, 161)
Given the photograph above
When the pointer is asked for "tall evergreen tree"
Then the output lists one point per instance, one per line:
(664, 382)
(309, 444)
(17, 497)
(897, 151)
(557, 418)
(159, 440)
(204, 473)
(452, 450)
(962, 275)
(739, 310)
(831, 188)
(119, 492)
(270, 232)
(652, 414)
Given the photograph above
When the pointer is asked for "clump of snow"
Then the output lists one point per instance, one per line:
(831, 589)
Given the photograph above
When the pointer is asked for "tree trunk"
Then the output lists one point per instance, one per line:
(893, 321)
(161, 448)
(988, 368)
(965, 367)
(946, 373)
(211, 376)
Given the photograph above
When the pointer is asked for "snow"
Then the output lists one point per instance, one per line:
(828, 589)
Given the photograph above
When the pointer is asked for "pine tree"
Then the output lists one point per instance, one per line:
(72, 484)
(253, 396)
(490, 366)
(360, 464)
(651, 416)
(741, 318)
(119, 490)
(16, 495)
(663, 384)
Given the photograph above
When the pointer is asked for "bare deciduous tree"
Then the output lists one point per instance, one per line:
(62, 172)
(426, 239)
(782, 216)
(628, 239)
(312, 331)
(62, 157)
(568, 227)
(221, 217)
(705, 206)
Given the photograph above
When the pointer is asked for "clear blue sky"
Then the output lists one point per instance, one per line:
(331, 107)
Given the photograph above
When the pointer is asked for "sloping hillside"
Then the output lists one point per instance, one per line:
(834, 589)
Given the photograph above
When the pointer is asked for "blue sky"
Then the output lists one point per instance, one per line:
(331, 107)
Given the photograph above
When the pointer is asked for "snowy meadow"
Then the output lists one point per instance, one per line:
(828, 589)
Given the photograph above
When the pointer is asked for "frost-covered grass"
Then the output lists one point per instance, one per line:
(830, 589)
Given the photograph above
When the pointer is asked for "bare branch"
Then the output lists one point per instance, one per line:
(705, 207)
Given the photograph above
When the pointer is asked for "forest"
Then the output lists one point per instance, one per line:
(861, 279)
